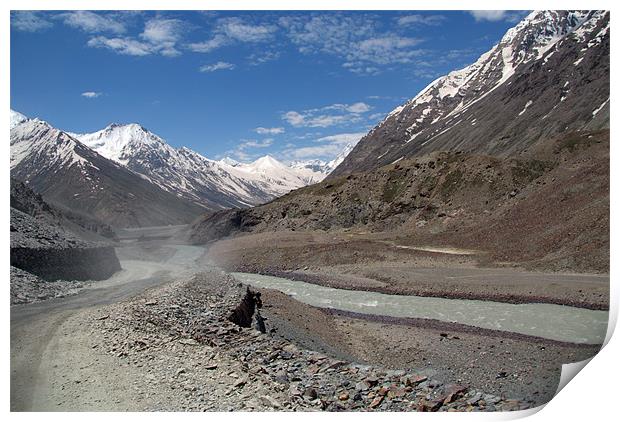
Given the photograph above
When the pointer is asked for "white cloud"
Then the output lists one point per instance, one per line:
(376, 116)
(93, 22)
(237, 29)
(214, 43)
(269, 130)
(241, 153)
(231, 30)
(331, 115)
(90, 94)
(256, 59)
(312, 152)
(126, 46)
(293, 118)
(489, 15)
(358, 108)
(256, 144)
(29, 21)
(160, 36)
(217, 66)
(358, 40)
(342, 138)
(163, 34)
(162, 30)
(430, 20)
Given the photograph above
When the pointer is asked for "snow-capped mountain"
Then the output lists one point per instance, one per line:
(324, 167)
(16, 118)
(547, 75)
(274, 176)
(186, 173)
(70, 175)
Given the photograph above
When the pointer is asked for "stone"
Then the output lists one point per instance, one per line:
(376, 402)
(270, 401)
(371, 381)
(311, 393)
(361, 386)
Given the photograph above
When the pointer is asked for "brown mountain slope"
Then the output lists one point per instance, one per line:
(548, 209)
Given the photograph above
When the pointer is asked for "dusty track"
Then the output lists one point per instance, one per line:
(35, 340)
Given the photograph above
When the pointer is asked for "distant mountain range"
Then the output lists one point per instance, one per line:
(125, 175)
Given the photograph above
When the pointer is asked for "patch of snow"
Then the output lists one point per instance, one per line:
(529, 103)
(595, 112)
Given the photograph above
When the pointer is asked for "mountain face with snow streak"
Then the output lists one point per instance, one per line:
(185, 173)
(547, 75)
(72, 176)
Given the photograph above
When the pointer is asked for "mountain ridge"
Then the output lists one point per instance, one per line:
(446, 115)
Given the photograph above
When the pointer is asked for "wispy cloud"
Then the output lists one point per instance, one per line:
(237, 29)
(325, 148)
(420, 20)
(94, 22)
(229, 31)
(163, 35)
(256, 59)
(331, 115)
(496, 15)
(126, 46)
(356, 39)
(241, 151)
(269, 130)
(160, 36)
(29, 21)
(217, 66)
(207, 46)
(342, 138)
(91, 94)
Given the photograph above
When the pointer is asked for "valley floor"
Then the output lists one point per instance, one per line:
(155, 336)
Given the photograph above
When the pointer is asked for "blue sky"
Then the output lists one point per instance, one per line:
(297, 85)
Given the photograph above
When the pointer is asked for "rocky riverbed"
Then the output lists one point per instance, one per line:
(186, 355)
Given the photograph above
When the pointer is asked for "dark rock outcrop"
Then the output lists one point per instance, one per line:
(91, 263)
(51, 253)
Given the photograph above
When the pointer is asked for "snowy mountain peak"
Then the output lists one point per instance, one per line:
(16, 118)
(229, 161)
(266, 163)
(448, 105)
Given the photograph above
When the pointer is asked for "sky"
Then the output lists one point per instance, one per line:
(295, 85)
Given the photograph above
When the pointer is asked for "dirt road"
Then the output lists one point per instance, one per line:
(148, 257)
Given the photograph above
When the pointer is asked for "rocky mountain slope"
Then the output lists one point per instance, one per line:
(548, 75)
(187, 174)
(547, 210)
(73, 177)
(27, 201)
(51, 250)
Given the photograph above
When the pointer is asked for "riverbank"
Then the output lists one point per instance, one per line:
(375, 262)
(502, 363)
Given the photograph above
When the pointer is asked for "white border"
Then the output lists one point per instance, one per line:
(590, 395)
